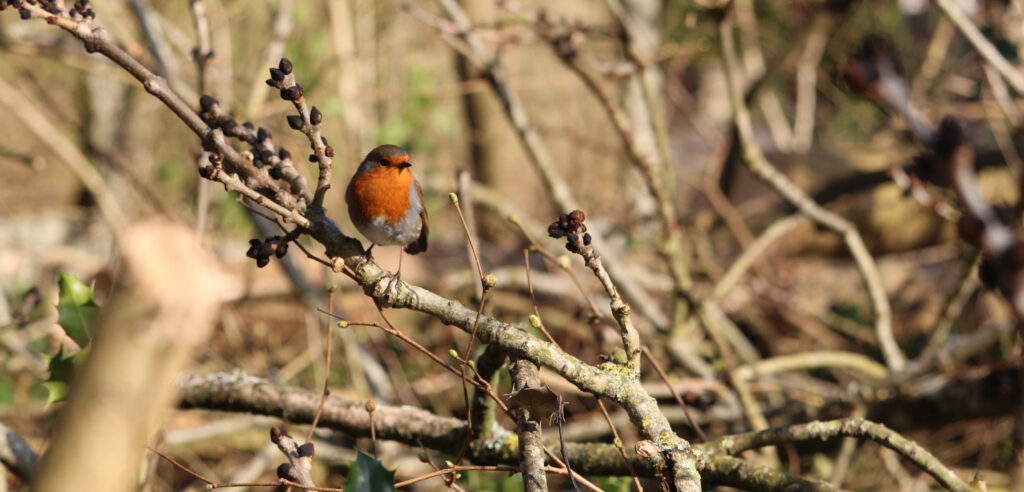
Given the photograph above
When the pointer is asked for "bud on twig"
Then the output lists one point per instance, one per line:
(277, 433)
(490, 281)
(285, 65)
(207, 102)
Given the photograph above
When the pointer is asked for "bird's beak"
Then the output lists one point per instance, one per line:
(404, 165)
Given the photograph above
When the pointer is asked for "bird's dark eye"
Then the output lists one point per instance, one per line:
(384, 162)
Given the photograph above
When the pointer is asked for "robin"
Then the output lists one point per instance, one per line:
(385, 202)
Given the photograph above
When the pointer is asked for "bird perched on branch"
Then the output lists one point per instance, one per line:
(385, 202)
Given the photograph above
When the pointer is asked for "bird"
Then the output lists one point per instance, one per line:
(385, 203)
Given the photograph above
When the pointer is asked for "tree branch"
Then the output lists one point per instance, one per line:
(237, 392)
(855, 427)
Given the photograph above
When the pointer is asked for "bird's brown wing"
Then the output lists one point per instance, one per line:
(420, 245)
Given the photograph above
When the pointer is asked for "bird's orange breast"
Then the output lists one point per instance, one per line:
(382, 192)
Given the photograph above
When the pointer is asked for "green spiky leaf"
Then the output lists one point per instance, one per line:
(62, 368)
(76, 307)
(58, 390)
(366, 474)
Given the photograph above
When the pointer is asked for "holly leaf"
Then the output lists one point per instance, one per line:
(367, 474)
(76, 308)
(62, 368)
(58, 390)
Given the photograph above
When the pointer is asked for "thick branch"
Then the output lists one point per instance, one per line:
(531, 454)
(410, 425)
(735, 472)
(236, 392)
(856, 427)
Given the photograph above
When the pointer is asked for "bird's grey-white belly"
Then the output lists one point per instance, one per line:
(402, 232)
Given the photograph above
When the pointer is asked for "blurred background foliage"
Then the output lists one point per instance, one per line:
(381, 75)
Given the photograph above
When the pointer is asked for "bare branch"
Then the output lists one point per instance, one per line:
(819, 430)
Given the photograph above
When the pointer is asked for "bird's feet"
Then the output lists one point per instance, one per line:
(367, 256)
(386, 297)
(396, 279)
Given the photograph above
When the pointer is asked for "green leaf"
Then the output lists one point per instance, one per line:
(366, 474)
(58, 391)
(76, 308)
(62, 368)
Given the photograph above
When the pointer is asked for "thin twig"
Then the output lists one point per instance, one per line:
(327, 374)
(573, 475)
(303, 248)
(560, 420)
(250, 181)
(619, 444)
(449, 483)
(679, 399)
(405, 338)
(482, 384)
(210, 484)
(458, 468)
(485, 289)
(674, 249)
(554, 260)
(533, 299)
(480, 271)
(153, 32)
(203, 52)
(465, 182)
